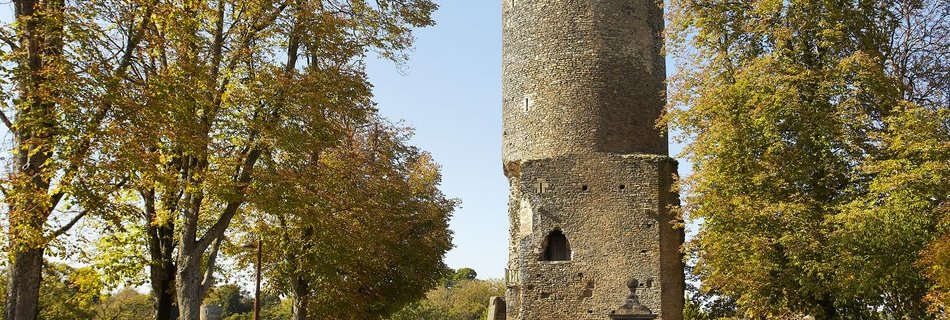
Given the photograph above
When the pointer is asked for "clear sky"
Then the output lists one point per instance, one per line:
(450, 92)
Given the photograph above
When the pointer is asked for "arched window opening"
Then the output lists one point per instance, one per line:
(556, 247)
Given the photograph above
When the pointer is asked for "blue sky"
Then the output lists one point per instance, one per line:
(450, 92)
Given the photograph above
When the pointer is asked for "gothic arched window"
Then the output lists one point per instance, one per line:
(556, 247)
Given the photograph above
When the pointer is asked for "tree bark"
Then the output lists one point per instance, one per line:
(161, 244)
(24, 285)
(301, 295)
(164, 293)
(162, 272)
(189, 286)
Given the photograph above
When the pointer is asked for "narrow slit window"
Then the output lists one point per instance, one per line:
(556, 247)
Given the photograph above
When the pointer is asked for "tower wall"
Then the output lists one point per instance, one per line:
(581, 77)
(583, 86)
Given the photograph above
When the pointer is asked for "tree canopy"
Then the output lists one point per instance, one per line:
(460, 297)
(170, 120)
(821, 147)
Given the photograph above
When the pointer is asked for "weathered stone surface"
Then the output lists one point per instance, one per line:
(582, 89)
(210, 312)
(497, 308)
(581, 77)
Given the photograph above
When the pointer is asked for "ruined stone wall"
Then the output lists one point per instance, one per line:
(583, 86)
(613, 210)
(581, 77)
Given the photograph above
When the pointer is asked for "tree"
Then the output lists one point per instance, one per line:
(459, 275)
(232, 300)
(209, 105)
(366, 231)
(60, 77)
(237, 304)
(705, 304)
(126, 304)
(820, 145)
(67, 292)
(466, 300)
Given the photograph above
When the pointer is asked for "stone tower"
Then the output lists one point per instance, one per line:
(590, 175)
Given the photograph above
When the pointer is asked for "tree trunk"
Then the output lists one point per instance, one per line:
(29, 203)
(189, 286)
(163, 290)
(165, 299)
(23, 292)
(301, 295)
(161, 244)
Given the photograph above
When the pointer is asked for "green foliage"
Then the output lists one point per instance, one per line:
(120, 257)
(58, 71)
(466, 300)
(69, 293)
(126, 304)
(459, 275)
(705, 304)
(66, 292)
(228, 105)
(239, 305)
(231, 298)
(455, 276)
(169, 120)
(367, 231)
(821, 146)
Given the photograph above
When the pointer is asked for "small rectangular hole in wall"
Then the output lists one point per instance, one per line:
(585, 188)
(542, 186)
(623, 187)
(545, 295)
(587, 293)
(528, 103)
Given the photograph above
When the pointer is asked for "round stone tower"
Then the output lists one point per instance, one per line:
(582, 77)
(590, 176)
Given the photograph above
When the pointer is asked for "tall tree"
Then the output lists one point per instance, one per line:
(125, 304)
(61, 71)
(67, 293)
(820, 142)
(365, 233)
(224, 88)
(466, 299)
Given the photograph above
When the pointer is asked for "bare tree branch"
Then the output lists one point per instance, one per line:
(69, 225)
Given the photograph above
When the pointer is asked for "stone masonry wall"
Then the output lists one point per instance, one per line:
(613, 210)
(583, 86)
(581, 76)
